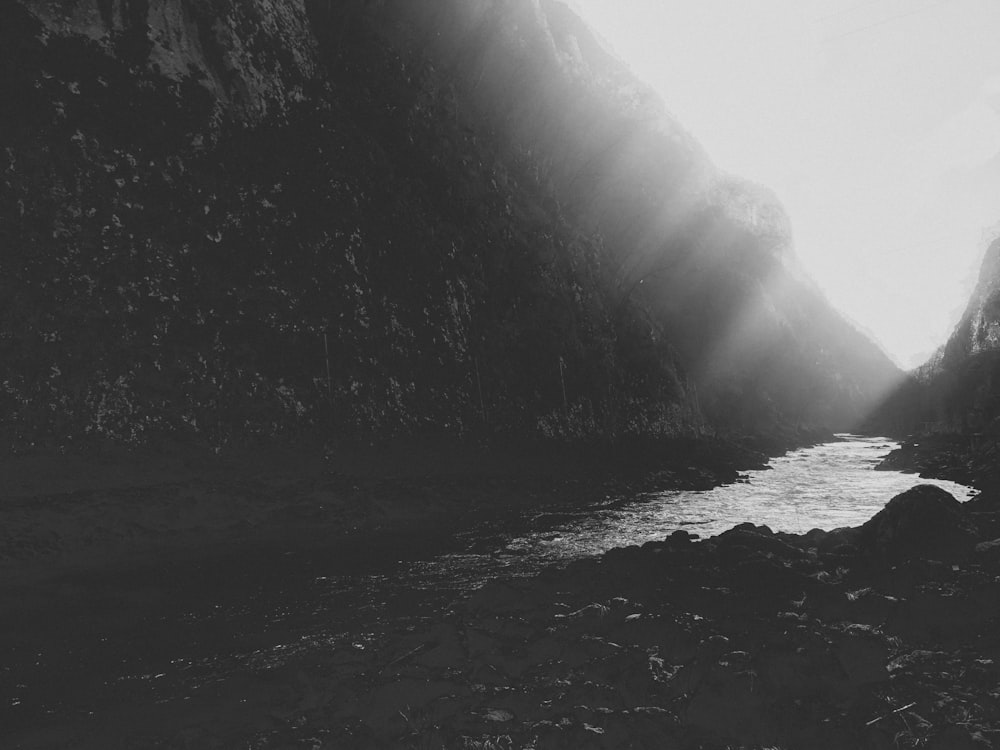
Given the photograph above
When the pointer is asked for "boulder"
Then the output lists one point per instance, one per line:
(681, 538)
(989, 550)
(751, 539)
(925, 522)
(863, 659)
(841, 540)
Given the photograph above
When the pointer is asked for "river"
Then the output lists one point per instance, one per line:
(145, 639)
(825, 486)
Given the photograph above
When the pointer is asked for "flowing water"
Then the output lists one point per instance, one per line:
(826, 486)
(145, 641)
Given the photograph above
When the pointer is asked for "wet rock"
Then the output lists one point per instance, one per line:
(767, 577)
(938, 617)
(840, 541)
(593, 612)
(989, 550)
(678, 680)
(863, 660)
(923, 522)
(193, 737)
(800, 673)
(390, 703)
(735, 659)
(813, 537)
(827, 603)
(500, 598)
(914, 661)
(648, 631)
(496, 714)
(625, 555)
(506, 628)
(714, 646)
(626, 674)
(680, 538)
(444, 652)
(551, 649)
(725, 705)
(620, 602)
(868, 607)
(763, 529)
(512, 665)
(479, 643)
(652, 549)
(958, 738)
(756, 539)
(570, 734)
(488, 675)
(594, 618)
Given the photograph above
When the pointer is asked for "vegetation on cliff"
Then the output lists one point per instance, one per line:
(231, 219)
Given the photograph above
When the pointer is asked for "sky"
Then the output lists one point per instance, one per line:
(877, 123)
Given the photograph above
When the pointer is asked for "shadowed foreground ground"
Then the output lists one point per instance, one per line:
(751, 639)
(880, 637)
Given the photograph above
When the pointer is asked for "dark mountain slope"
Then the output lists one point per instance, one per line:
(950, 406)
(958, 389)
(347, 254)
(226, 218)
(710, 255)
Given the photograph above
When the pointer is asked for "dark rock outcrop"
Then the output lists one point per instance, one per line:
(925, 522)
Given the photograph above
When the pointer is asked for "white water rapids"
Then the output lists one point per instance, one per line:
(826, 486)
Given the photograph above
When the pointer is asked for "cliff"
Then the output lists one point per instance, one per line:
(708, 254)
(230, 219)
(978, 331)
(958, 389)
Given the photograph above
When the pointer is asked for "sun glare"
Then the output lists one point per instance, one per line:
(877, 123)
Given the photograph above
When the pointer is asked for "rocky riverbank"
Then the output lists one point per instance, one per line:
(882, 636)
(118, 567)
(971, 460)
(72, 513)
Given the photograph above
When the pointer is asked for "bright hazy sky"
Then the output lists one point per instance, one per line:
(877, 122)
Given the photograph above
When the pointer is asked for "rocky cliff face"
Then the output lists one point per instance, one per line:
(252, 57)
(958, 389)
(707, 254)
(978, 332)
(225, 218)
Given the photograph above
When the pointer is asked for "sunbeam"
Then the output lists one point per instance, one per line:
(876, 123)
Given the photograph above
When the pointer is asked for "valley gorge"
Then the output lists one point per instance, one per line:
(228, 221)
(325, 325)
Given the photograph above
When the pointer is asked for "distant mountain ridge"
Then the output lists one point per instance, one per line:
(255, 218)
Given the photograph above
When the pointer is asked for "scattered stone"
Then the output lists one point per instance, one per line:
(496, 714)
(991, 548)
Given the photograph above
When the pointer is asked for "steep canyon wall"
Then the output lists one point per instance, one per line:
(223, 219)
